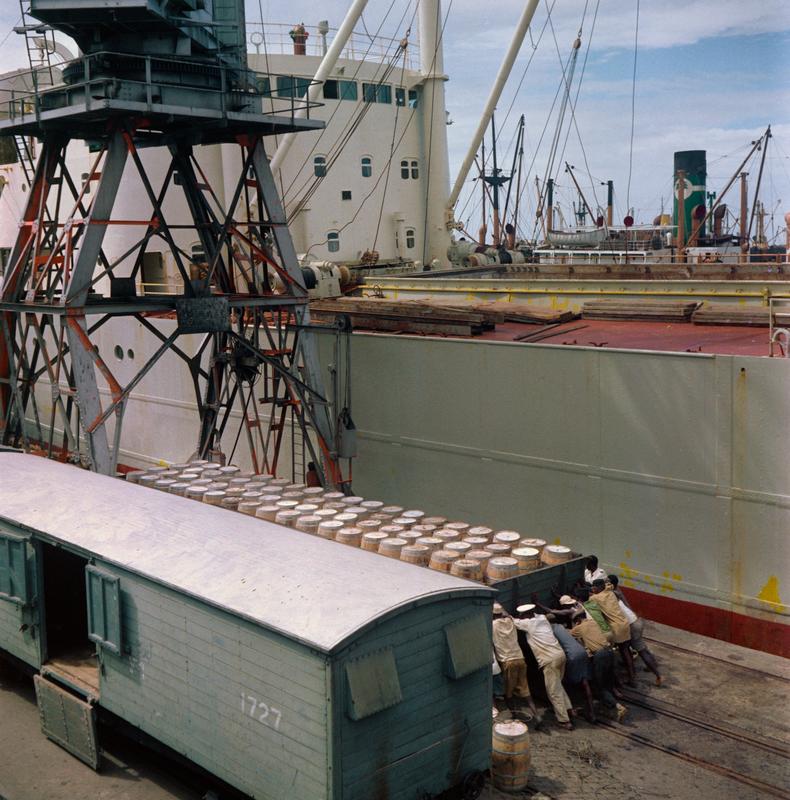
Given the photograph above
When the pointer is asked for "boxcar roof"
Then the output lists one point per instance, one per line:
(309, 589)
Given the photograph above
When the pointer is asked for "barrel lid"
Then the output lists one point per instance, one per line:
(416, 547)
(308, 519)
(307, 508)
(560, 549)
(445, 555)
(424, 529)
(503, 561)
(480, 530)
(372, 505)
(507, 537)
(375, 536)
(458, 547)
(510, 728)
(457, 526)
(525, 552)
(326, 513)
(286, 504)
(330, 525)
(394, 510)
(479, 555)
(468, 563)
(404, 521)
(533, 542)
(390, 529)
(393, 541)
(287, 513)
(498, 547)
(346, 517)
(438, 521)
(369, 524)
(413, 513)
(352, 500)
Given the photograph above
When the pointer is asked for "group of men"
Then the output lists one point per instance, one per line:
(574, 646)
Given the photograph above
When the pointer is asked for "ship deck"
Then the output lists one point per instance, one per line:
(671, 337)
(718, 727)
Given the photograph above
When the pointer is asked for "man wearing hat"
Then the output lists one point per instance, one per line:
(550, 657)
(511, 659)
(607, 601)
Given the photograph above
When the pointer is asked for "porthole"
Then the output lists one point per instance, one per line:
(130, 353)
(118, 352)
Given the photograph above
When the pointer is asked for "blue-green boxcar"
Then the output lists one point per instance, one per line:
(287, 665)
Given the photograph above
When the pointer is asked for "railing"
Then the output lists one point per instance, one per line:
(232, 87)
(275, 39)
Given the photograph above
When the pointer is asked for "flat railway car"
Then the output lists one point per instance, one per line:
(287, 665)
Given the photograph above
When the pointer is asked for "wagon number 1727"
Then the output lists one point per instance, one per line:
(261, 711)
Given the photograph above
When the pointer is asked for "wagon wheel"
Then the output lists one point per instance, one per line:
(472, 785)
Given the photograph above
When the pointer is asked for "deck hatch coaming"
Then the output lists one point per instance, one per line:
(284, 580)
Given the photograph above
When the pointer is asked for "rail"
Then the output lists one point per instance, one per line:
(100, 76)
(276, 39)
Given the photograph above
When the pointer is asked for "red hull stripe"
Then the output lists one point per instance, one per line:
(758, 634)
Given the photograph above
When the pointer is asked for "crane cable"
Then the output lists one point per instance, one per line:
(633, 112)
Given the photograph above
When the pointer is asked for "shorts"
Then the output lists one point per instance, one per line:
(637, 642)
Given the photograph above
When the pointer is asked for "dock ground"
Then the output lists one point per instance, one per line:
(718, 728)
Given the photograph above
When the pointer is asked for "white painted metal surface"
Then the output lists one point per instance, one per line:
(314, 591)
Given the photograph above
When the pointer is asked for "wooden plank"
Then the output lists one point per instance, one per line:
(732, 314)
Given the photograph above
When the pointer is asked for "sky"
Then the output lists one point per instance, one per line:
(710, 75)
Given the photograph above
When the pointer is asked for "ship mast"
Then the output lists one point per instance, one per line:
(434, 126)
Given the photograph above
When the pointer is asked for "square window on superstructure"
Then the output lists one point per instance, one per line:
(413, 98)
(345, 194)
(291, 86)
(377, 93)
(400, 96)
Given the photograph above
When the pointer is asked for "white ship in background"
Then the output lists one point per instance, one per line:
(371, 195)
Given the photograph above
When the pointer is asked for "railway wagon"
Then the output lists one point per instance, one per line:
(287, 665)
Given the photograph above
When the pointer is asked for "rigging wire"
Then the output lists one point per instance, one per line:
(633, 110)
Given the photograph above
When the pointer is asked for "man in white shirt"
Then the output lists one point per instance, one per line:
(550, 657)
(592, 571)
(508, 653)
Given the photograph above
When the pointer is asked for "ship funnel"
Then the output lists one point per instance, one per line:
(694, 164)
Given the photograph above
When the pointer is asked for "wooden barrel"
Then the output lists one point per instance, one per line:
(368, 525)
(500, 568)
(267, 512)
(391, 530)
(287, 505)
(447, 535)
(410, 535)
(442, 560)
(195, 492)
(437, 521)
(372, 506)
(294, 495)
(498, 549)
(314, 493)
(393, 511)
(234, 491)
(308, 523)
(286, 517)
(199, 462)
(230, 469)
(458, 547)
(538, 544)
(511, 538)
(404, 522)
(371, 541)
(383, 518)
(269, 499)
(467, 568)
(352, 500)
(477, 542)
(231, 503)
(348, 519)
(236, 481)
(424, 530)
(416, 554)
(164, 484)
(349, 536)
(210, 473)
(360, 511)
(326, 513)
(556, 554)
(249, 507)
(391, 547)
(481, 556)
(335, 504)
(461, 527)
(431, 542)
(149, 479)
(307, 508)
(481, 530)
(216, 485)
(214, 497)
(133, 476)
(202, 482)
(247, 496)
(328, 528)
(170, 474)
(179, 488)
(333, 496)
(528, 558)
(413, 513)
(510, 755)
(295, 487)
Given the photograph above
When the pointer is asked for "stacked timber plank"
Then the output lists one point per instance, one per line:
(733, 314)
(405, 316)
(641, 310)
(447, 316)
